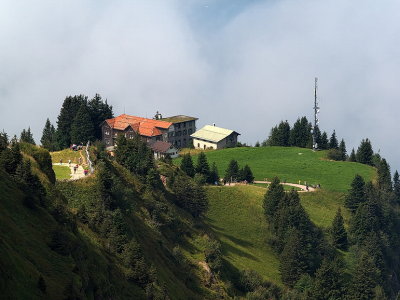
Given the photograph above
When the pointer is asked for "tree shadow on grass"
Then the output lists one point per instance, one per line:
(227, 248)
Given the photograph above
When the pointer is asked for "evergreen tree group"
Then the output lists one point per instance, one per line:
(48, 139)
(234, 173)
(79, 120)
(201, 172)
(27, 137)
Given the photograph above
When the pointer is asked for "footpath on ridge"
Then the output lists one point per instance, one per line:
(304, 188)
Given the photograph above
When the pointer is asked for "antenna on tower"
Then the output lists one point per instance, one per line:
(316, 111)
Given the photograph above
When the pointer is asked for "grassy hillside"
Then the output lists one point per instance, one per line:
(237, 218)
(292, 164)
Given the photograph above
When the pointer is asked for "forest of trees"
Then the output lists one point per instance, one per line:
(78, 122)
(312, 264)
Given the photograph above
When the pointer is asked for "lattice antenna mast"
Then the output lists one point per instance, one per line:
(316, 111)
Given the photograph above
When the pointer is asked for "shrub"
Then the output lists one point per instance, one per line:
(334, 154)
(249, 280)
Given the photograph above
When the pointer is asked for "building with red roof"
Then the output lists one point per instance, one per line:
(175, 130)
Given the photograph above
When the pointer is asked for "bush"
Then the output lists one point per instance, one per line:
(213, 254)
(249, 280)
(190, 196)
(334, 154)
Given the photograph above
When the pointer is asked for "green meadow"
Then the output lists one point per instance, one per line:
(291, 164)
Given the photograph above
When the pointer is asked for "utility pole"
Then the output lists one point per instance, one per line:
(316, 111)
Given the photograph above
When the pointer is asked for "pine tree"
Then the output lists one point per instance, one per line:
(273, 198)
(11, 158)
(384, 176)
(317, 134)
(364, 153)
(66, 117)
(99, 111)
(329, 282)
(202, 166)
(3, 141)
(273, 139)
(247, 174)
(352, 156)
(365, 279)
(292, 259)
(82, 129)
(339, 234)
(284, 134)
(323, 144)
(356, 194)
(300, 134)
(27, 137)
(333, 142)
(396, 186)
(187, 165)
(232, 172)
(48, 139)
(342, 149)
(214, 176)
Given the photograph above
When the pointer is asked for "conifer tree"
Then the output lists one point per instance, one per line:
(342, 149)
(356, 194)
(323, 144)
(82, 126)
(329, 282)
(48, 139)
(352, 156)
(11, 158)
(27, 137)
(232, 172)
(272, 198)
(214, 176)
(396, 186)
(300, 134)
(202, 166)
(68, 111)
(3, 141)
(333, 142)
(99, 111)
(339, 234)
(187, 165)
(284, 134)
(384, 176)
(273, 139)
(292, 259)
(364, 153)
(247, 174)
(365, 279)
(317, 134)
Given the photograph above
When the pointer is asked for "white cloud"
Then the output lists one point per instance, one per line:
(249, 72)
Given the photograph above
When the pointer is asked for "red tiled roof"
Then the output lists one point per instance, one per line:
(145, 127)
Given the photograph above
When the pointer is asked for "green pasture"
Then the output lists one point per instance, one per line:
(291, 164)
(62, 172)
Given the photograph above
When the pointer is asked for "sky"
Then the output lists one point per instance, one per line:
(244, 65)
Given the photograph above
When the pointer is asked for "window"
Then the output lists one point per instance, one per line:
(184, 124)
(190, 130)
(179, 125)
(184, 132)
(107, 132)
(179, 143)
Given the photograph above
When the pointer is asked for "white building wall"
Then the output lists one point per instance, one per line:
(200, 144)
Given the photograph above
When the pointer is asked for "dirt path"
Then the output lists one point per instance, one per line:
(300, 186)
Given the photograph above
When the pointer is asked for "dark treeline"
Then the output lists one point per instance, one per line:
(78, 122)
(301, 135)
